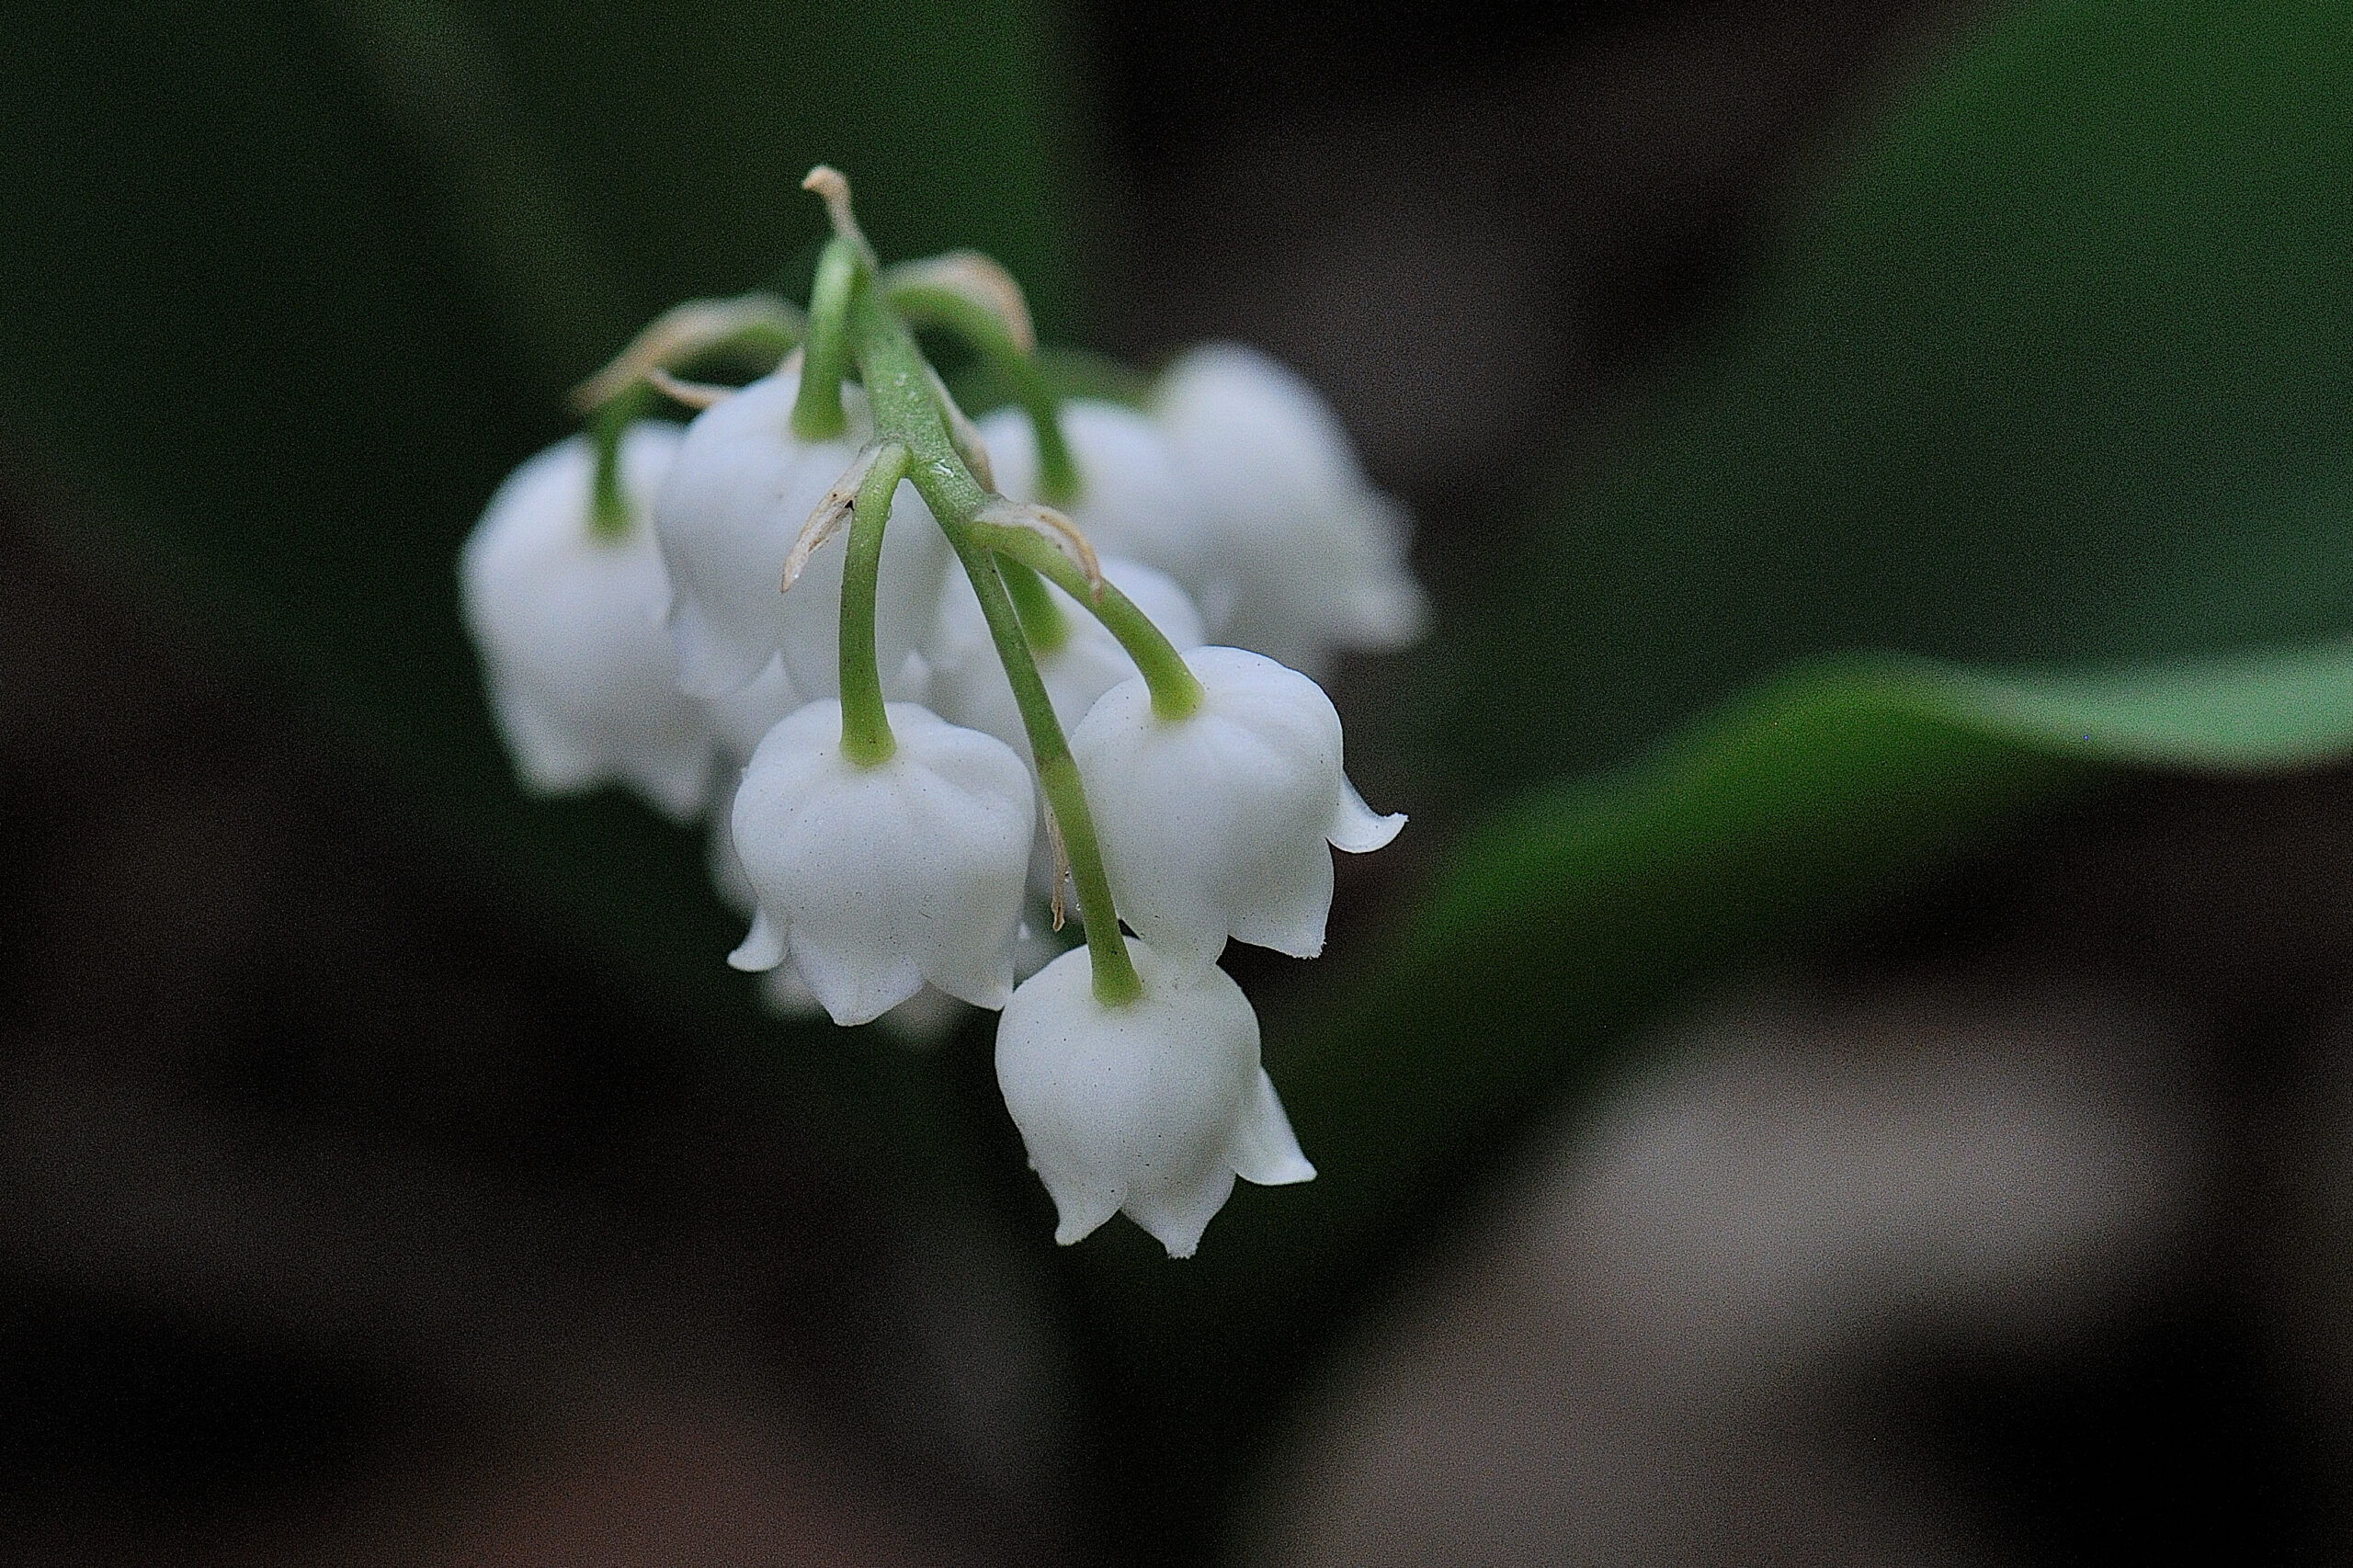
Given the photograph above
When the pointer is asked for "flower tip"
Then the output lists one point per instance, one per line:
(1181, 1237)
(1080, 1214)
(1356, 828)
(832, 187)
(761, 948)
(1266, 1150)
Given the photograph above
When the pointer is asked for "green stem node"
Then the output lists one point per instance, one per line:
(866, 721)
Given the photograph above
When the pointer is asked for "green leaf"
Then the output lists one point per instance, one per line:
(2060, 369)
(1590, 906)
(2057, 371)
(1557, 932)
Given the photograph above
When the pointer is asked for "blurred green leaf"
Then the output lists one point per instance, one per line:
(1590, 906)
(2059, 369)
(1562, 928)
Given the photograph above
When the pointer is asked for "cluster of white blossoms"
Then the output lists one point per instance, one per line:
(936, 682)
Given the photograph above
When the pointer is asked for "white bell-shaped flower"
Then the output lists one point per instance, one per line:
(738, 497)
(874, 880)
(1317, 555)
(582, 681)
(970, 686)
(1134, 500)
(1215, 824)
(1153, 1107)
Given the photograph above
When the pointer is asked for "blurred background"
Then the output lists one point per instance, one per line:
(1890, 1137)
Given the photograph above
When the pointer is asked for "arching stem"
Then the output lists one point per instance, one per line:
(1116, 981)
(817, 412)
(1176, 692)
(899, 389)
(986, 335)
(866, 721)
(1042, 619)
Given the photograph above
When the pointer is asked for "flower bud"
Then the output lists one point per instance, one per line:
(738, 497)
(1215, 823)
(1133, 500)
(568, 622)
(1316, 554)
(876, 878)
(1153, 1107)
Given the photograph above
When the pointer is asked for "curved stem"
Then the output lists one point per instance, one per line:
(759, 325)
(817, 412)
(980, 328)
(899, 389)
(1176, 692)
(866, 721)
(611, 512)
(1042, 620)
(1116, 981)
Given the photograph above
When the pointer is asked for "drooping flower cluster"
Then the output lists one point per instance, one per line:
(927, 711)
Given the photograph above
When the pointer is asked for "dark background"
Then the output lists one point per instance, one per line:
(360, 1207)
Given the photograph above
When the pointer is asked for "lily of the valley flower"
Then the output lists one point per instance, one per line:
(581, 679)
(1215, 824)
(738, 497)
(874, 880)
(884, 853)
(1315, 554)
(1153, 1107)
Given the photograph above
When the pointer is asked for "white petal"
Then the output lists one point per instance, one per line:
(1217, 824)
(788, 996)
(1357, 827)
(1134, 500)
(741, 490)
(1176, 1215)
(761, 947)
(1287, 904)
(856, 983)
(1080, 1206)
(1316, 556)
(1265, 1150)
(582, 681)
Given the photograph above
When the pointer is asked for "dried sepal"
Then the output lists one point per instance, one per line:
(832, 187)
(697, 395)
(831, 512)
(677, 334)
(1061, 854)
(1064, 534)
